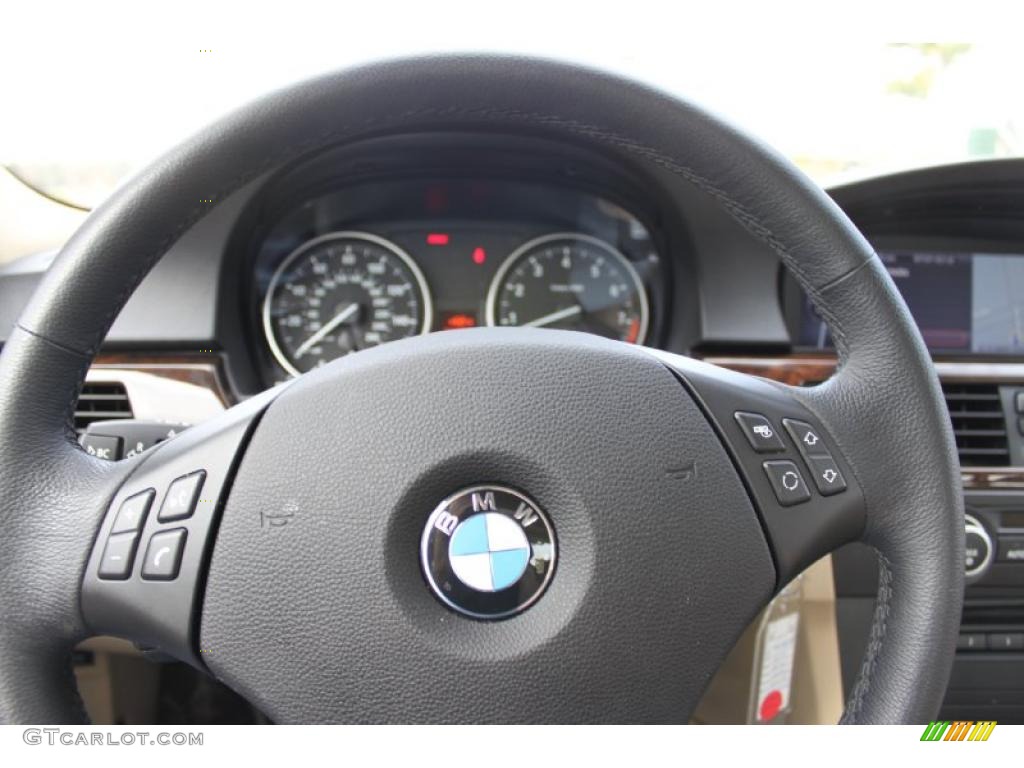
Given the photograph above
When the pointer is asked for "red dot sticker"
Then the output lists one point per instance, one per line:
(771, 705)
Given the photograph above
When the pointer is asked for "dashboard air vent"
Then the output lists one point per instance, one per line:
(978, 423)
(101, 401)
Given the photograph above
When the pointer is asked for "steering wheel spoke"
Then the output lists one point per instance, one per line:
(803, 486)
(144, 577)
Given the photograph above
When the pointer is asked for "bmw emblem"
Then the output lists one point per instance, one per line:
(488, 552)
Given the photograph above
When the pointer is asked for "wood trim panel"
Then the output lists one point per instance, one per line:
(201, 370)
(796, 371)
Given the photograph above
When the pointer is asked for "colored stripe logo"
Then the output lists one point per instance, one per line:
(958, 730)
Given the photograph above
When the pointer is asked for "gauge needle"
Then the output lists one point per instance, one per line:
(334, 322)
(554, 317)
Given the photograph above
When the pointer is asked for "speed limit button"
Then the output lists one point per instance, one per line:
(787, 482)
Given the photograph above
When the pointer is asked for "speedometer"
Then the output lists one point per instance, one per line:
(570, 281)
(339, 293)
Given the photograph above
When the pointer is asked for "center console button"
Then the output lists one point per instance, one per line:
(1011, 549)
(1006, 641)
(978, 547)
(971, 641)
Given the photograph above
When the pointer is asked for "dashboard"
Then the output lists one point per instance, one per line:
(370, 263)
(423, 234)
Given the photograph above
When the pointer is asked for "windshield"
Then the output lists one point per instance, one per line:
(82, 118)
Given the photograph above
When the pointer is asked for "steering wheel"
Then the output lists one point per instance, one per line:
(310, 536)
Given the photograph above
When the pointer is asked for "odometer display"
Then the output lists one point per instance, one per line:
(339, 293)
(570, 281)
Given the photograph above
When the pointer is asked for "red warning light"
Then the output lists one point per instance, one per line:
(634, 331)
(437, 238)
(479, 255)
(458, 320)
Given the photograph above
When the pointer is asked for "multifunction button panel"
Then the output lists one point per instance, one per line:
(179, 503)
(123, 540)
(798, 479)
(785, 476)
(142, 579)
(825, 473)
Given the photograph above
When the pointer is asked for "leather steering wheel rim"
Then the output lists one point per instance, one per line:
(884, 406)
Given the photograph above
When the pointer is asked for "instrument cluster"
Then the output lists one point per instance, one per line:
(370, 263)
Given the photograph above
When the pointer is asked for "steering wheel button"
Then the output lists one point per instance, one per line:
(826, 475)
(118, 556)
(807, 438)
(163, 555)
(760, 433)
(133, 512)
(787, 482)
(181, 498)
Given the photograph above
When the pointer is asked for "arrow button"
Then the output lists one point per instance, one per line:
(826, 475)
(807, 438)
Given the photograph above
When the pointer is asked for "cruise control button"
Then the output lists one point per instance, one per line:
(181, 498)
(133, 512)
(826, 475)
(163, 555)
(118, 555)
(787, 482)
(760, 433)
(806, 438)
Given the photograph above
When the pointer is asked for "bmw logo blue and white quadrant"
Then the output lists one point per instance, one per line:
(488, 551)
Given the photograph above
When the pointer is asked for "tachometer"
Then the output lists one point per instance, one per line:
(570, 281)
(339, 293)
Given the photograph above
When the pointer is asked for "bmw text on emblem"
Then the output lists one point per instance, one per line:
(488, 551)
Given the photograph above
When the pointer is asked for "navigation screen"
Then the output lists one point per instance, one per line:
(962, 302)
